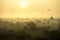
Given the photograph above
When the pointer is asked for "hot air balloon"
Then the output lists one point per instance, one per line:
(49, 9)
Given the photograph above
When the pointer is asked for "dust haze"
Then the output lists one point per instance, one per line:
(29, 19)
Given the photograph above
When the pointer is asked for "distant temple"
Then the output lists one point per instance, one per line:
(51, 18)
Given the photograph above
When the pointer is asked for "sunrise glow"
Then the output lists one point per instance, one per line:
(23, 4)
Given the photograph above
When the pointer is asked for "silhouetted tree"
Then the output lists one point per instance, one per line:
(54, 34)
(59, 27)
(32, 25)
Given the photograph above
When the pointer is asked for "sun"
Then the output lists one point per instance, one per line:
(23, 4)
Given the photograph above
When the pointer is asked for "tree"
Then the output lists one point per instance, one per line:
(54, 34)
(32, 25)
(59, 27)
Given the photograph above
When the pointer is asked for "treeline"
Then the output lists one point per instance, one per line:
(30, 31)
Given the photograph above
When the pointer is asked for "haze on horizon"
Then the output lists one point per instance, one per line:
(29, 8)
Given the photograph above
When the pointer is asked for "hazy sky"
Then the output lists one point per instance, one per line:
(32, 8)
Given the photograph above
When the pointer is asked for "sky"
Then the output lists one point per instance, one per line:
(29, 8)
